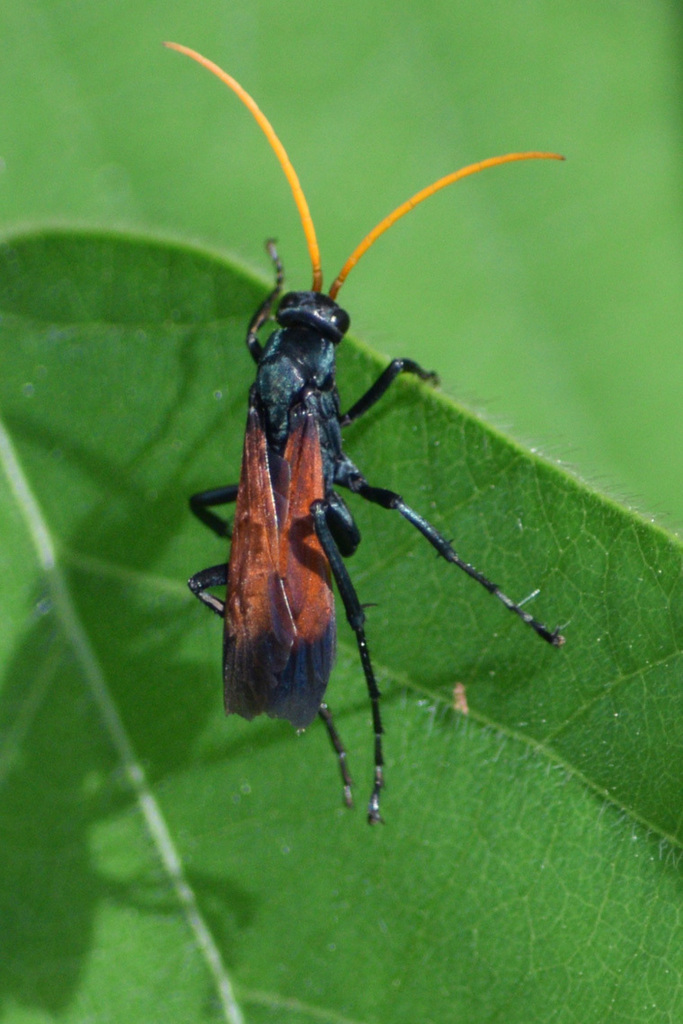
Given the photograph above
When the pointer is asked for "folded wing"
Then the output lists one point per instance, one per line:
(280, 629)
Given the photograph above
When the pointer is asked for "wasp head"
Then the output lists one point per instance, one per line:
(314, 310)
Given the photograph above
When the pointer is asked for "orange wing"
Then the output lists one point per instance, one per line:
(280, 629)
(305, 572)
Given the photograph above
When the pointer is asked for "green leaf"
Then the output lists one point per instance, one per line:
(162, 863)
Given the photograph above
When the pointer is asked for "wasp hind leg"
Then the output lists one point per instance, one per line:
(202, 503)
(356, 618)
(340, 750)
(216, 576)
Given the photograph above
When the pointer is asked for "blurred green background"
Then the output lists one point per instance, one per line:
(547, 295)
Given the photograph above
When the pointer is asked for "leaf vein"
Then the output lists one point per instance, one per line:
(134, 771)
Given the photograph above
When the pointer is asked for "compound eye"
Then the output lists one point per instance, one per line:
(341, 320)
(288, 301)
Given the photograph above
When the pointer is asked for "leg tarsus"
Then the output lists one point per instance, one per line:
(336, 741)
(216, 576)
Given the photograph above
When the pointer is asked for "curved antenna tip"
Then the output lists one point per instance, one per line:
(423, 194)
(279, 150)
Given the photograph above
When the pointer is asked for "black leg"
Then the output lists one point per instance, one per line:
(336, 741)
(264, 310)
(356, 617)
(383, 382)
(217, 576)
(390, 500)
(200, 504)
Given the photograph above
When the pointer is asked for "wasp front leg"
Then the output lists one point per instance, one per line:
(383, 383)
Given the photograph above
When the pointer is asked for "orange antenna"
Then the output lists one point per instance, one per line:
(425, 193)
(280, 152)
